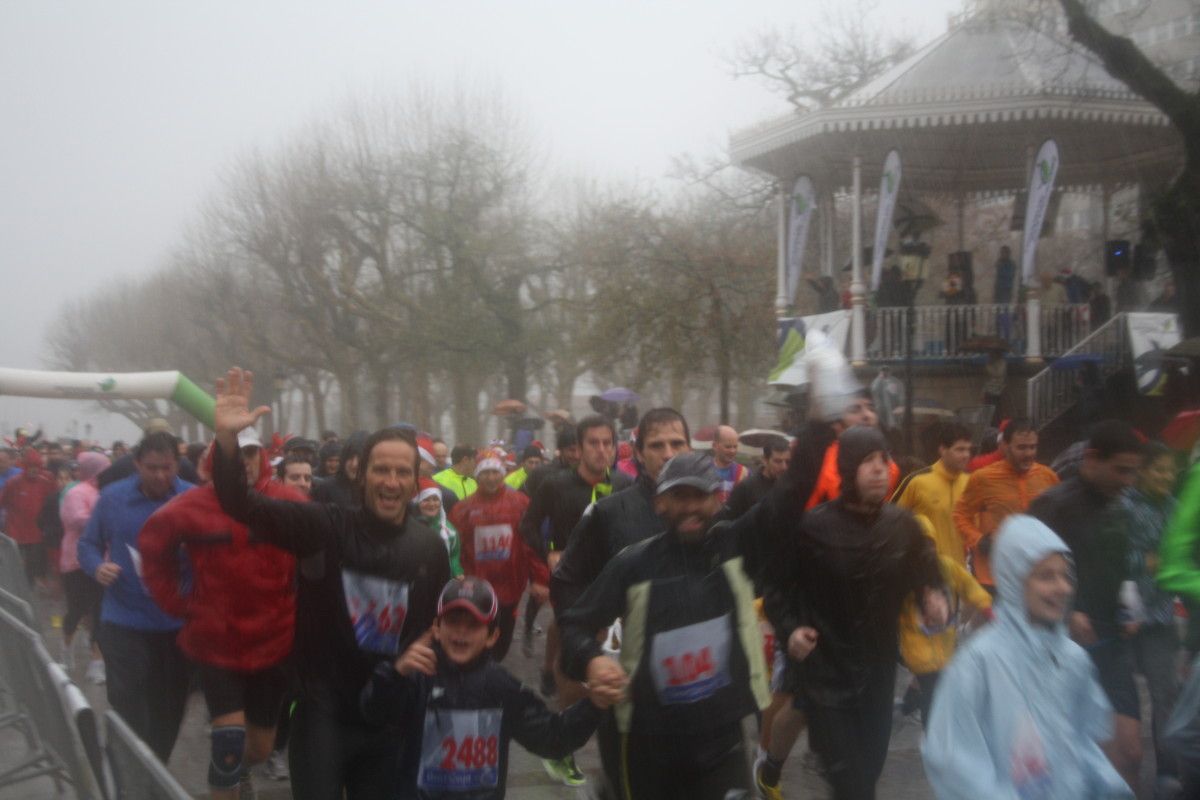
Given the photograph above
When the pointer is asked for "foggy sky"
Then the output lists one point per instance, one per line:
(119, 116)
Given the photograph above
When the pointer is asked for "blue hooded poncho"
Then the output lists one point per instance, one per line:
(1019, 712)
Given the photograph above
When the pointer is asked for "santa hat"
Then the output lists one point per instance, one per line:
(425, 450)
(426, 489)
(489, 459)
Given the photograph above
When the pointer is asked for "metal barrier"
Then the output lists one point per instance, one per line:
(19, 608)
(61, 728)
(1054, 390)
(137, 773)
(940, 332)
(12, 570)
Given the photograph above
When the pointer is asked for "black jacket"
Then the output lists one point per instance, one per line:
(559, 502)
(607, 528)
(1095, 527)
(691, 647)
(367, 588)
(425, 706)
(746, 494)
(851, 574)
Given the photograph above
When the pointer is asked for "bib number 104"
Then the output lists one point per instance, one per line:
(688, 667)
(473, 752)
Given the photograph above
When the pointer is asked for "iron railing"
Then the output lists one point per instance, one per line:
(940, 332)
(1057, 387)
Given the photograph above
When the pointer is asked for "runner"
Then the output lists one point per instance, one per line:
(1087, 513)
(608, 527)
(691, 662)
(21, 501)
(488, 522)
(457, 477)
(531, 459)
(470, 706)
(725, 447)
(776, 455)
(343, 488)
(1005, 487)
(429, 503)
(296, 472)
(856, 559)
(1019, 712)
(369, 590)
(82, 591)
(934, 491)
(557, 506)
(238, 612)
(147, 673)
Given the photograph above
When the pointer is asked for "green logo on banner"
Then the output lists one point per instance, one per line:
(107, 385)
(890, 179)
(1046, 168)
(801, 203)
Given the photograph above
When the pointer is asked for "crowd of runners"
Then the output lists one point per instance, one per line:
(346, 606)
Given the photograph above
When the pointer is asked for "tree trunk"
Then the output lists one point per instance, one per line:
(383, 396)
(466, 408)
(317, 393)
(350, 395)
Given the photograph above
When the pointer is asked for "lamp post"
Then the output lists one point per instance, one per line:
(914, 266)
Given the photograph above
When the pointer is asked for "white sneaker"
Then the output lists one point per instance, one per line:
(95, 672)
(277, 766)
(68, 658)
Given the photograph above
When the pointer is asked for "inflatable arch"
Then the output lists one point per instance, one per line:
(174, 386)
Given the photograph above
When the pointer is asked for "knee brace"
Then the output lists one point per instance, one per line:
(228, 756)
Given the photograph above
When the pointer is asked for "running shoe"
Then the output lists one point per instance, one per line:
(549, 687)
(277, 766)
(765, 790)
(565, 770)
(95, 672)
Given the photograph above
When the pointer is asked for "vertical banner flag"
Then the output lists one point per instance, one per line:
(803, 203)
(889, 187)
(1041, 187)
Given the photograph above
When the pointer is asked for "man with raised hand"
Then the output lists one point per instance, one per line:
(369, 583)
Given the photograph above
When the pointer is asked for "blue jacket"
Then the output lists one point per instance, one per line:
(112, 533)
(1019, 712)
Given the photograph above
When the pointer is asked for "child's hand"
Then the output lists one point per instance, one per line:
(801, 643)
(419, 657)
(935, 609)
(606, 680)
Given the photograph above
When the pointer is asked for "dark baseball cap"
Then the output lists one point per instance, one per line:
(299, 443)
(473, 594)
(689, 469)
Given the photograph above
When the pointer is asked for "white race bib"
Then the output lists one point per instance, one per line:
(493, 542)
(378, 608)
(460, 750)
(690, 664)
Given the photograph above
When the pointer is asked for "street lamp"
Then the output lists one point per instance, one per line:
(914, 269)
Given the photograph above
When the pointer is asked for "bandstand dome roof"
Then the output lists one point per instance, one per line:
(965, 111)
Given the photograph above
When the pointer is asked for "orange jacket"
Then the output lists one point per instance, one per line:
(992, 494)
(829, 483)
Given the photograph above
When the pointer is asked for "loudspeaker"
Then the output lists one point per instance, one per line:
(1118, 255)
(1145, 262)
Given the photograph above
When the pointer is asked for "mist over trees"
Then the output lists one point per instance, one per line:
(408, 256)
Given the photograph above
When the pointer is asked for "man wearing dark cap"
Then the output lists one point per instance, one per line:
(691, 665)
(856, 559)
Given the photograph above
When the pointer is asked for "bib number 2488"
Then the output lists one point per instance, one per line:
(472, 752)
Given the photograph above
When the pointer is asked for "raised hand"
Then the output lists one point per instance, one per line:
(232, 412)
(419, 657)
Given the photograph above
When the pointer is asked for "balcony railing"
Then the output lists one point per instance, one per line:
(940, 332)
(1056, 388)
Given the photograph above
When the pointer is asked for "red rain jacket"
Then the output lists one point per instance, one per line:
(22, 498)
(240, 613)
(492, 545)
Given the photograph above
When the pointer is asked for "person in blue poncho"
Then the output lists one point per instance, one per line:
(1019, 712)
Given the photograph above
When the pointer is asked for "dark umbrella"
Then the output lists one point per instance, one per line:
(619, 394)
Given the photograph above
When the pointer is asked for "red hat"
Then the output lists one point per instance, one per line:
(425, 450)
(472, 594)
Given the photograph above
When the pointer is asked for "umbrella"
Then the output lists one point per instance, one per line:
(914, 217)
(529, 424)
(761, 437)
(1182, 432)
(619, 394)
(558, 415)
(507, 408)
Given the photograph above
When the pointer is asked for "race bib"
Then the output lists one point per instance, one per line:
(378, 608)
(493, 542)
(1028, 768)
(460, 750)
(690, 664)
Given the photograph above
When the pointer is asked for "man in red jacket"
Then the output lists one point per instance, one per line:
(21, 499)
(488, 523)
(238, 617)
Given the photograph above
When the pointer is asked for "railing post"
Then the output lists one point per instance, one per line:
(1033, 326)
(782, 301)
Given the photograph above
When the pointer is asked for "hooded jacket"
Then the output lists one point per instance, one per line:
(240, 612)
(339, 489)
(77, 505)
(22, 498)
(1019, 712)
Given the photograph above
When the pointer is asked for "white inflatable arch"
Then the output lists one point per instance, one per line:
(173, 386)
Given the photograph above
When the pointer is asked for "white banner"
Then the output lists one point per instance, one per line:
(1151, 335)
(889, 188)
(1041, 188)
(830, 330)
(803, 204)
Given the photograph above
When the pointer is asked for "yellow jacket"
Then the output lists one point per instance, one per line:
(516, 478)
(924, 653)
(932, 493)
(463, 487)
